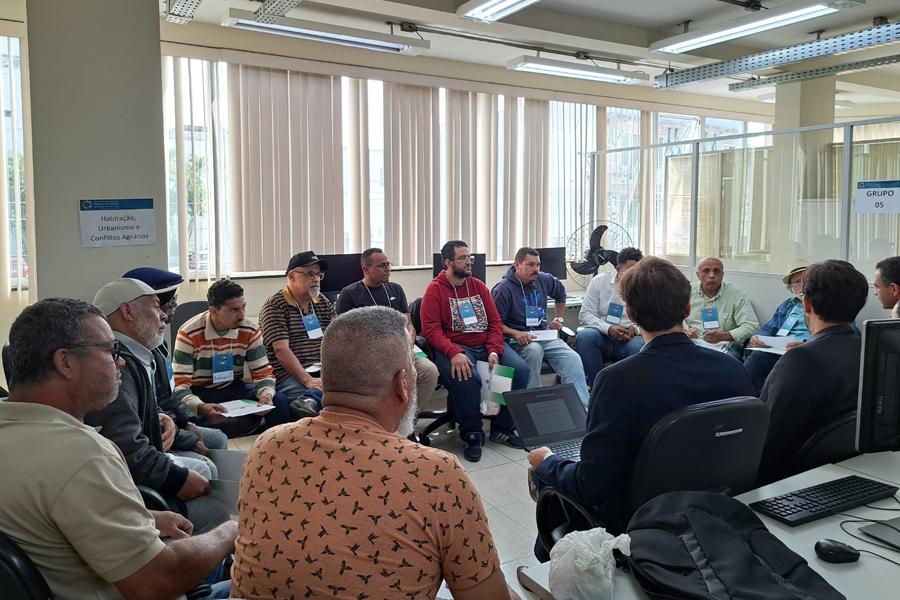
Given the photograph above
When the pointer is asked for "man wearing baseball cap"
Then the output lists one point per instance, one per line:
(293, 321)
(132, 420)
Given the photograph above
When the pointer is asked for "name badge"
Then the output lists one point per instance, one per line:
(614, 313)
(467, 312)
(710, 317)
(311, 324)
(789, 322)
(223, 368)
(533, 315)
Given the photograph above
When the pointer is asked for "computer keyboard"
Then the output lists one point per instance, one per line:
(819, 501)
(570, 449)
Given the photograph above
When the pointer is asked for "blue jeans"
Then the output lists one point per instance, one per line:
(213, 438)
(466, 394)
(758, 366)
(595, 347)
(562, 358)
(240, 390)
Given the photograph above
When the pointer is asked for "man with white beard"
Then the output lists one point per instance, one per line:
(132, 420)
(344, 495)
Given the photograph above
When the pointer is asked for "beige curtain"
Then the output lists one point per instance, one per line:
(512, 175)
(358, 133)
(411, 173)
(535, 173)
(286, 184)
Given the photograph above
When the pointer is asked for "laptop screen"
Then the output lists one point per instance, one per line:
(550, 417)
(548, 414)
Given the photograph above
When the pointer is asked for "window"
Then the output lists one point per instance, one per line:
(573, 142)
(12, 125)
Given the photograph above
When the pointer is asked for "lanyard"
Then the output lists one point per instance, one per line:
(386, 295)
(468, 293)
(534, 294)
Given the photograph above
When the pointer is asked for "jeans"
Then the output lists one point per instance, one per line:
(595, 347)
(195, 462)
(213, 438)
(758, 366)
(466, 394)
(562, 358)
(240, 390)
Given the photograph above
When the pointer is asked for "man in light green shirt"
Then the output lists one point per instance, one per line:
(720, 312)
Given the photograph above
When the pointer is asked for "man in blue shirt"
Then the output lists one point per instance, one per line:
(521, 299)
(630, 396)
(787, 321)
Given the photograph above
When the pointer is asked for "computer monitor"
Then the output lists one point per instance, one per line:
(553, 261)
(343, 269)
(479, 268)
(878, 407)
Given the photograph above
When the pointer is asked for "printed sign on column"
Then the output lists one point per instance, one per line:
(878, 197)
(117, 222)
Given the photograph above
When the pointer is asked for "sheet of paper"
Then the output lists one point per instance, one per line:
(229, 463)
(314, 368)
(544, 335)
(418, 352)
(241, 408)
(501, 381)
(777, 342)
(719, 347)
(778, 351)
(488, 405)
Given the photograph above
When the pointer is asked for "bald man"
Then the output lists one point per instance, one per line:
(720, 312)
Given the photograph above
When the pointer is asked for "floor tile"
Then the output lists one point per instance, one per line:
(510, 453)
(509, 572)
(501, 485)
(522, 512)
(511, 539)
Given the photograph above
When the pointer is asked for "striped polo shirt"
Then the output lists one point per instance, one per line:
(196, 344)
(282, 319)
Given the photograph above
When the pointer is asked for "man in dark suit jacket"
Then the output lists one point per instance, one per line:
(630, 396)
(816, 383)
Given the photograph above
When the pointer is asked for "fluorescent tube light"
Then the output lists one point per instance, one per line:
(560, 68)
(325, 32)
(489, 11)
(763, 20)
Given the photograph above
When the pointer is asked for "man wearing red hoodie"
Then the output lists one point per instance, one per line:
(460, 321)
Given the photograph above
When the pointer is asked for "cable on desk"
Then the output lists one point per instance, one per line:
(856, 519)
(894, 498)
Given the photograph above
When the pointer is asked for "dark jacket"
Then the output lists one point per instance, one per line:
(510, 296)
(131, 422)
(774, 324)
(165, 401)
(810, 386)
(628, 398)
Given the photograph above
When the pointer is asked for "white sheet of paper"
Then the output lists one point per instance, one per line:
(544, 335)
(778, 351)
(241, 408)
(314, 368)
(487, 405)
(719, 347)
(777, 342)
(500, 384)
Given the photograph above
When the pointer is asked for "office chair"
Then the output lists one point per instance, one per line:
(712, 446)
(19, 578)
(830, 444)
(332, 296)
(6, 356)
(153, 500)
(441, 417)
(184, 313)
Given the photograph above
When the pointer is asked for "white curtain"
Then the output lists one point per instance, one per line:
(358, 160)
(411, 173)
(512, 169)
(535, 175)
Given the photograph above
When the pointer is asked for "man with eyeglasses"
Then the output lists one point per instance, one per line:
(460, 321)
(787, 321)
(293, 322)
(376, 289)
(133, 421)
(69, 500)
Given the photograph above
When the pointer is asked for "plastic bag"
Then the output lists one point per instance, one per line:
(582, 564)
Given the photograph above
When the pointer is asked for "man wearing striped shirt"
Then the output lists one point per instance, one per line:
(209, 357)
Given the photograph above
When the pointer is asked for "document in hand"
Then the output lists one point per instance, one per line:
(719, 347)
(241, 408)
(493, 384)
(544, 335)
(776, 344)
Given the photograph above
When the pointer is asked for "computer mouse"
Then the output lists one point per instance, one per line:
(834, 551)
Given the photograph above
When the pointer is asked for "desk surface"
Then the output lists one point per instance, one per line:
(870, 578)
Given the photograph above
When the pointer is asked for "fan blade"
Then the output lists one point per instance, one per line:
(587, 267)
(596, 242)
(608, 256)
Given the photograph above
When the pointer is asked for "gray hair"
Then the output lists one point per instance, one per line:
(363, 349)
(42, 329)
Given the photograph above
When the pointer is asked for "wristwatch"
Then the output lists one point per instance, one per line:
(558, 320)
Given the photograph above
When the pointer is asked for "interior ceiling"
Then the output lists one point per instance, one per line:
(614, 28)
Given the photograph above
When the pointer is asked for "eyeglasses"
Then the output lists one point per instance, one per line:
(469, 258)
(311, 274)
(384, 265)
(114, 348)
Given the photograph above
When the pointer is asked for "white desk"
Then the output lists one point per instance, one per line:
(870, 578)
(882, 465)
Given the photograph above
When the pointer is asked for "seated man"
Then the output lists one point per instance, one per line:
(67, 497)
(210, 353)
(376, 289)
(521, 299)
(720, 312)
(630, 396)
(787, 321)
(386, 524)
(817, 382)
(132, 420)
(293, 322)
(887, 285)
(460, 321)
(608, 334)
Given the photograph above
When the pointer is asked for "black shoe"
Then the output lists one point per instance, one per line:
(304, 407)
(510, 439)
(474, 441)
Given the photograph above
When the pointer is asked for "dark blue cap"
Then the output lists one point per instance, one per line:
(160, 280)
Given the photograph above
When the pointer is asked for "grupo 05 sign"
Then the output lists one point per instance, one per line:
(878, 197)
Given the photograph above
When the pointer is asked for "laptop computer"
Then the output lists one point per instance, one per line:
(549, 416)
(885, 531)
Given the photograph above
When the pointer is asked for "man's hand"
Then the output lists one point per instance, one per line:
(523, 338)
(172, 525)
(212, 411)
(493, 360)
(554, 324)
(693, 333)
(461, 367)
(194, 486)
(169, 429)
(312, 382)
(200, 448)
(790, 345)
(195, 430)
(537, 456)
(265, 398)
(619, 333)
(714, 337)
(755, 342)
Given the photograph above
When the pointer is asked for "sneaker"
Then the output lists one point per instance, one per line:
(474, 441)
(510, 439)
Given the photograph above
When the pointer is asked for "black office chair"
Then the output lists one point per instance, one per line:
(19, 578)
(833, 443)
(184, 313)
(153, 500)
(332, 296)
(712, 446)
(441, 417)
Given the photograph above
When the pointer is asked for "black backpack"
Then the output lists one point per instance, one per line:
(703, 545)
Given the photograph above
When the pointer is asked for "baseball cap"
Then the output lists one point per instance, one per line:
(306, 259)
(164, 282)
(125, 289)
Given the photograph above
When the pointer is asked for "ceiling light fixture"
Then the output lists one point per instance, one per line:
(489, 11)
(561, 68)
(747, 25)
(325, 32)
(181, 12)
